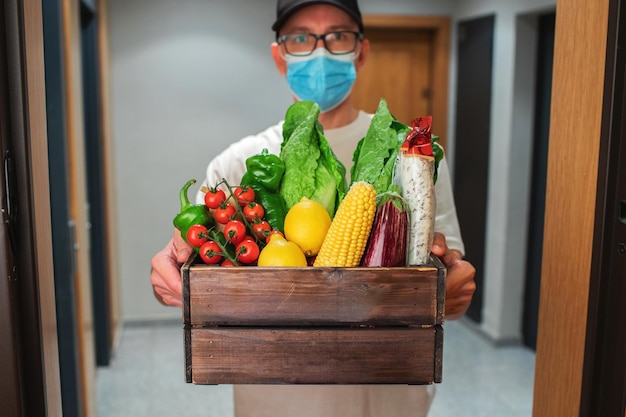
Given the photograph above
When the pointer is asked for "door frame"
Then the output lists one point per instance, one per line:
(604, 371)
(440, 28)
(32, 309)
(576, 134)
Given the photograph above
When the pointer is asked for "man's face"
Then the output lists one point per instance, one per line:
(318, 19)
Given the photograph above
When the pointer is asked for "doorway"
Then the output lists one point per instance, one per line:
(545, 52)
(63, 225)
(408, 67)
(94, 158)
(473, 122)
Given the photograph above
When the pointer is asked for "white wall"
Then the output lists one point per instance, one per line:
(188, 78)
(191, 76)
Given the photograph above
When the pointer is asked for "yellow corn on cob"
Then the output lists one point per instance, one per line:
(348, 233)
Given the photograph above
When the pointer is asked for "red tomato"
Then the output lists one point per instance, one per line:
(227, 262)
(210, 252)
(224, 212)
(214, 197)
(235, 231)
(197, 235)
(244, 194)
(253, 211)
(247, 251)
(261, 229)
(272, 233)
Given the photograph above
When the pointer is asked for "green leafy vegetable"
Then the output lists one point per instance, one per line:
(438, 152)
(375, 155)
(311, 168)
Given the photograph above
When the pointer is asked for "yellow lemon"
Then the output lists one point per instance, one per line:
(306, 225)
(279, 252)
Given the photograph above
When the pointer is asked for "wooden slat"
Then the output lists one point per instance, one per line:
(314, 296)
(315, 356)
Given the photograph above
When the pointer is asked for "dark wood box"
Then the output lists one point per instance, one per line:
(252, 325)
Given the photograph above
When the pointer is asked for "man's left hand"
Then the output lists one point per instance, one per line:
(460, 285)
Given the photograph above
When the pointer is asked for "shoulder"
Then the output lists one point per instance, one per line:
(230, 164)
(270, 138)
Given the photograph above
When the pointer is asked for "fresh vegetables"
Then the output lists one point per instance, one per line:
(387, 243)
(264, 173)
(190, 214)
(214, 197)
(417, 170)
(374, 162)
(376, 154)
(347, 236)
(236, 230)
(311, 168)
(267, 169)
(385, 218)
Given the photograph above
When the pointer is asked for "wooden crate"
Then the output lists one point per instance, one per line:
(251, 325)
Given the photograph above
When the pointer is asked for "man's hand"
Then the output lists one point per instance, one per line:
(165, 274)
(460, 285)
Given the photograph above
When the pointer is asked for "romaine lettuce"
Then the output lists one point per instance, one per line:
(311, 168)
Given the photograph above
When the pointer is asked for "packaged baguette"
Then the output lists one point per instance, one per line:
(416, 163)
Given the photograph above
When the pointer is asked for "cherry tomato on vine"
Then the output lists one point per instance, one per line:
(224, 212)
(253, 211)
(235, 231)
(272, 233)
(197, 235)
(227, 262)
(214, 197)
(210, 252)
(247, 251)
(244, 194)
(261, 229)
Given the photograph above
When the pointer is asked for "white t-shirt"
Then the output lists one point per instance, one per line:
(231, 165)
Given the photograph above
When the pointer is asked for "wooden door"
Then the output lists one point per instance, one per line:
(408, 67)
(577, 114)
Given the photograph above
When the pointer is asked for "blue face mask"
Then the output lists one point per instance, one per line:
(321, 77)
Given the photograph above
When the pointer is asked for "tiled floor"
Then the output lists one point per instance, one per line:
(146, 378)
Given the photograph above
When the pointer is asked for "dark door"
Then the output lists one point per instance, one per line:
(472, 133)
(62, 223)
(95, 188)
(545, 52)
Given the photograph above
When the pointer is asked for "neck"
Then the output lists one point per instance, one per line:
(340, 116)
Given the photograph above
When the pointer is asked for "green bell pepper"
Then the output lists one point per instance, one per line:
(267, 169)
(264, 173)
(190, 214)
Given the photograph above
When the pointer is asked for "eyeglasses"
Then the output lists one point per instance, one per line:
(303, 44)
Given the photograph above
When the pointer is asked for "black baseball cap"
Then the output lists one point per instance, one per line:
(285, 8)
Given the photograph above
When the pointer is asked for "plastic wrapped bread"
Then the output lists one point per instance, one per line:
(416, 165)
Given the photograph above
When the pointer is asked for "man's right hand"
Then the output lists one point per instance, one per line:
(165, 274)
